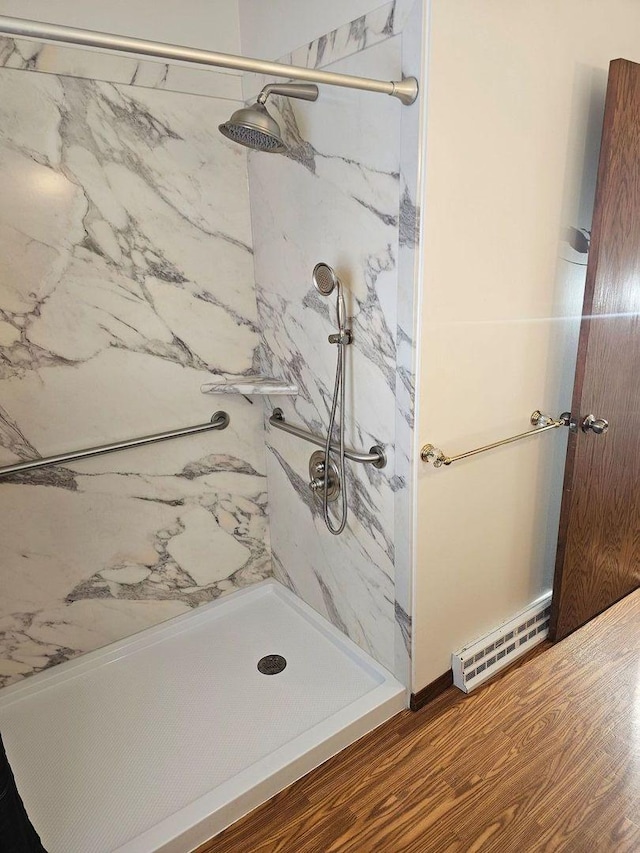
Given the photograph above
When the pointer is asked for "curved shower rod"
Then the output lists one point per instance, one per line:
(405, 90)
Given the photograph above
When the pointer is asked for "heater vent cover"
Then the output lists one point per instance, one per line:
(478, 661)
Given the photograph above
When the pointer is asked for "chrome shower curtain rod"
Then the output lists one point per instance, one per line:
(405, 90)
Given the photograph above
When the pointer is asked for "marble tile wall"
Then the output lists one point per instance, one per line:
(353, 36)
(126, 281)
(341, 195)
(409, 311)
(118, 68)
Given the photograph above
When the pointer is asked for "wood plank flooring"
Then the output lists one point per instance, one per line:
(545, 757)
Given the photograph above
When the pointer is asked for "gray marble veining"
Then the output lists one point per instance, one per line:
(335, 197)
(94, 65)
(249, 386)
(409, 272)
(350, 199)
(352, 37)
(127, 281)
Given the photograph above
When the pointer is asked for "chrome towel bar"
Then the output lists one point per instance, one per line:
(541, 422)
(376, 455)
(220, 420)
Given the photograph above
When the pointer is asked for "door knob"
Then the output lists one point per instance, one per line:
(597, 425)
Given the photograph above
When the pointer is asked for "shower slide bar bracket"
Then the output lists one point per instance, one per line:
(220, 420)
(376, 455)
(541, 422)
(405, 90)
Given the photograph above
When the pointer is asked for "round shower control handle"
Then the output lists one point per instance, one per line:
(320, 479)
(316, 470)
(597, 425)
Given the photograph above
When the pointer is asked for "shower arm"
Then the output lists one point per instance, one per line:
(405, 90)
(306, 92)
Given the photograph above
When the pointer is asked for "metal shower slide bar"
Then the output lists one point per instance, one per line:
(405, 90)
(541, 422)
(220, 420)
(376, 455)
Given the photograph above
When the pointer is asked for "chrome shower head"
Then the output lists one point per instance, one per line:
(254, 128)
(324, 279)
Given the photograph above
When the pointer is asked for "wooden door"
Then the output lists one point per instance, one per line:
(599, 538)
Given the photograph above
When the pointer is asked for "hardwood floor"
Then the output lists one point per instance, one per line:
(544, 758)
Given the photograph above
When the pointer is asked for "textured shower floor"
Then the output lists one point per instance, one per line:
(161, 740)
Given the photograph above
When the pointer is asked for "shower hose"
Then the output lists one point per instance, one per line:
(344, 338)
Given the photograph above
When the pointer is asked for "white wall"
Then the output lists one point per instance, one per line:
(207, 24)
(515, 100)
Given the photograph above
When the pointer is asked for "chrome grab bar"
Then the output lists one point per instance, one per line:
(220, 420)
(376, 455)
(541, 422)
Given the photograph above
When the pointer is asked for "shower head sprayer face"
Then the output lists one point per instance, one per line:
(254, 128)
(324, 279)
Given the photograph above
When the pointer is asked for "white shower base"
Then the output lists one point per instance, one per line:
(158, 742)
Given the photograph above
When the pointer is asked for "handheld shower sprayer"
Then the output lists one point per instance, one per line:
(255, 128)
(326, 281)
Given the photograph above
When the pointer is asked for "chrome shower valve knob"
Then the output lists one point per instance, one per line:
(318, 468)
(344, 337)
(317, 475)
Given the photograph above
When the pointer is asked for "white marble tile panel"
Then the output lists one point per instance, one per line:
(172, 540)
(33, 573)
(127, 280)
(58, 59)
(204, 550)
(408, 20)
(348, 579)
(352, 37)
(148, 289)
(250, 385)
(408, 302)
(334, 198)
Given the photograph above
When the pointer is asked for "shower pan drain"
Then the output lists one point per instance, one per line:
(271, 664)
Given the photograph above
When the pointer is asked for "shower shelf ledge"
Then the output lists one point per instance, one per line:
(249, 386)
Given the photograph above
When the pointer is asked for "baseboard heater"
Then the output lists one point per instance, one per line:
(479, 661)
